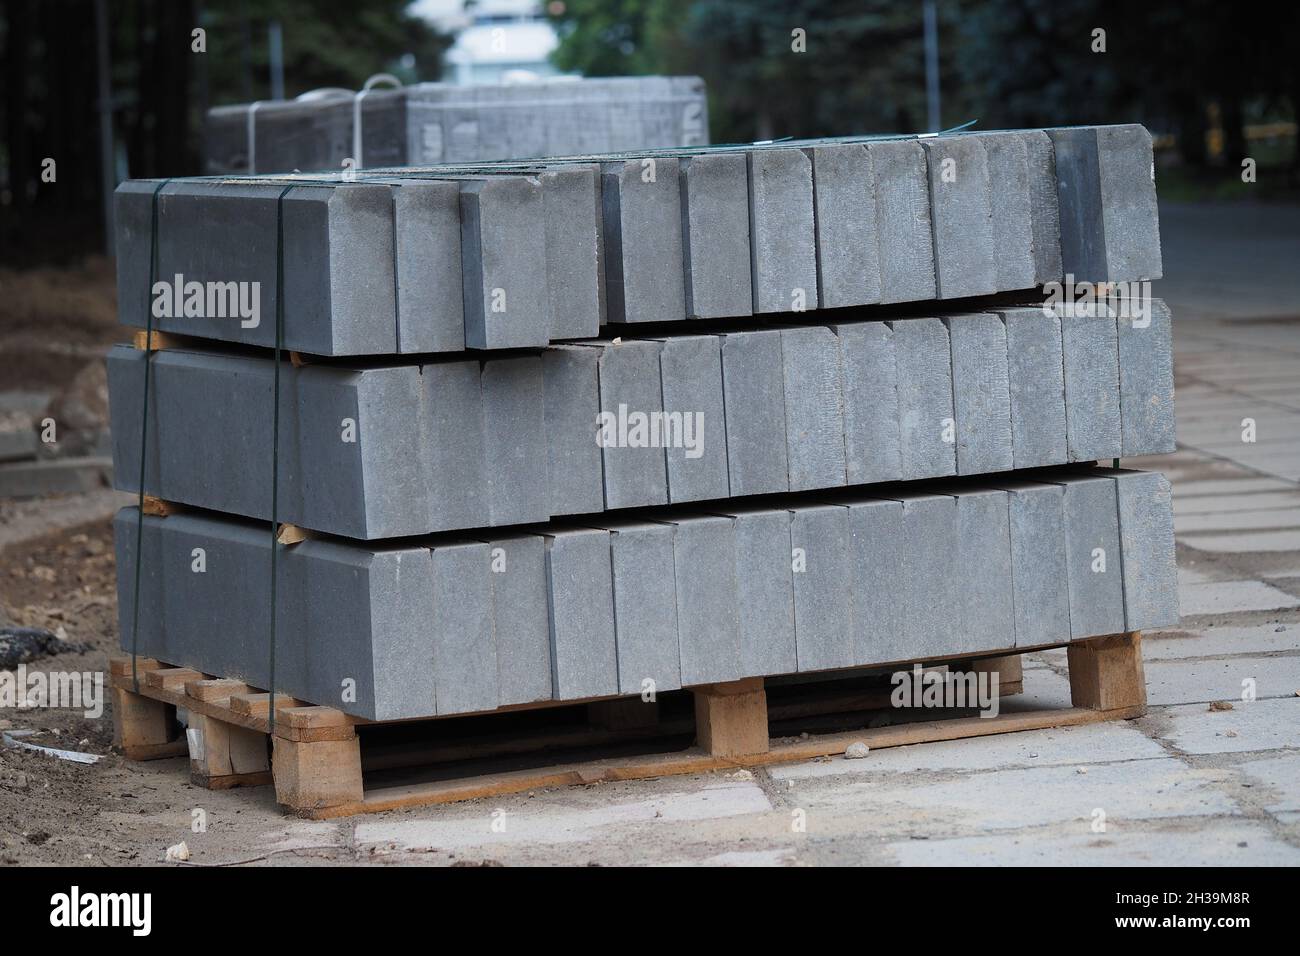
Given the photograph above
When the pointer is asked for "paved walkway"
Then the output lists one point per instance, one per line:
(1186, 785)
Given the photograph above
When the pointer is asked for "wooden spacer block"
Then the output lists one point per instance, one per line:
(624, 713)
(217, 689)
(258, 705)
(120, 665)
(156, 340)
(158, 507)
(172, 678)
(731, 718)
(298, 359)
(141, 724)
(219, 749)
(323, 773)
(1106, 673)
(1009, 669)
(291, 534)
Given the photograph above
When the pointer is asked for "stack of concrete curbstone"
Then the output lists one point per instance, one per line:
(445, 123)
(514, 496)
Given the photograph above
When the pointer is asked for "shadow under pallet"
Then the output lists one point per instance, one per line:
(324, 763)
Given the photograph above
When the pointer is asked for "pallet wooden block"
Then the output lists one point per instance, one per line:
(316, 752)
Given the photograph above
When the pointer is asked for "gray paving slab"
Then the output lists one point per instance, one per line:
(645, 607)
(575, 472)
(643, 241)
(464, 639)
(783, 242)
(430, 297)
(575, 281)
(1230, 597)
(584, 653)
(1039, 563)
(981, 392)
(1090, 351)
(708, 619)
(848, 256)
(690, 370)
(715, 236)
(823, 587)
(1282, 776)
(754, 393)
(965, 262)
(504, 262)
(517, 572)
(1222, 679)
(1045, 214)
(925, 401)
(983, 569)
(1094, 557)
(903, 217)
(930, 598)
(1219, 641)
(1036, 382)
(765, 590)
(514, 431)
(1147, 534)
(872, 449)
(814, 401)
(1146, 380)
(1261, 725)
(635, 468)
(1011, 202)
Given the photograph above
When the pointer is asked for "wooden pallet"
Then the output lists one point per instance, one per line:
(315, 758)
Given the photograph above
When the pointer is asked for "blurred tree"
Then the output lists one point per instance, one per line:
(160, 89)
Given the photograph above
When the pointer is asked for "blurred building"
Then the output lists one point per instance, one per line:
(496, 40)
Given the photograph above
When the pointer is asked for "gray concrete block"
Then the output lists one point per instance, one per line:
(871, 439)
(905, 243)
(1094, 559)
(783, 240)
(643, 241)
(753, 384)
(464, 642)
(1146, 381)
(645, 607)
(708, 621)
(925, 401)
(1146, 528)
(630, 395)
(18, 442)
(984, 571)
(1045, 213)
(1039, 565)
(430, 302)
(580, 588)
(517, 570)
(514, 432)
(823, 589)
(981, 393)
(965, 261)
(1128, 191)
(338, 272)
(455, 449)
(504, 260)
(1011, 204)
(575, 473)
(848, 256)
(1110, 229)
(814, 400)
(1090, 353)
(715, 236)
(575, 260)
(879, 581)
(691, 380)
(931, 597)
(1037, 387)
(765, 590)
